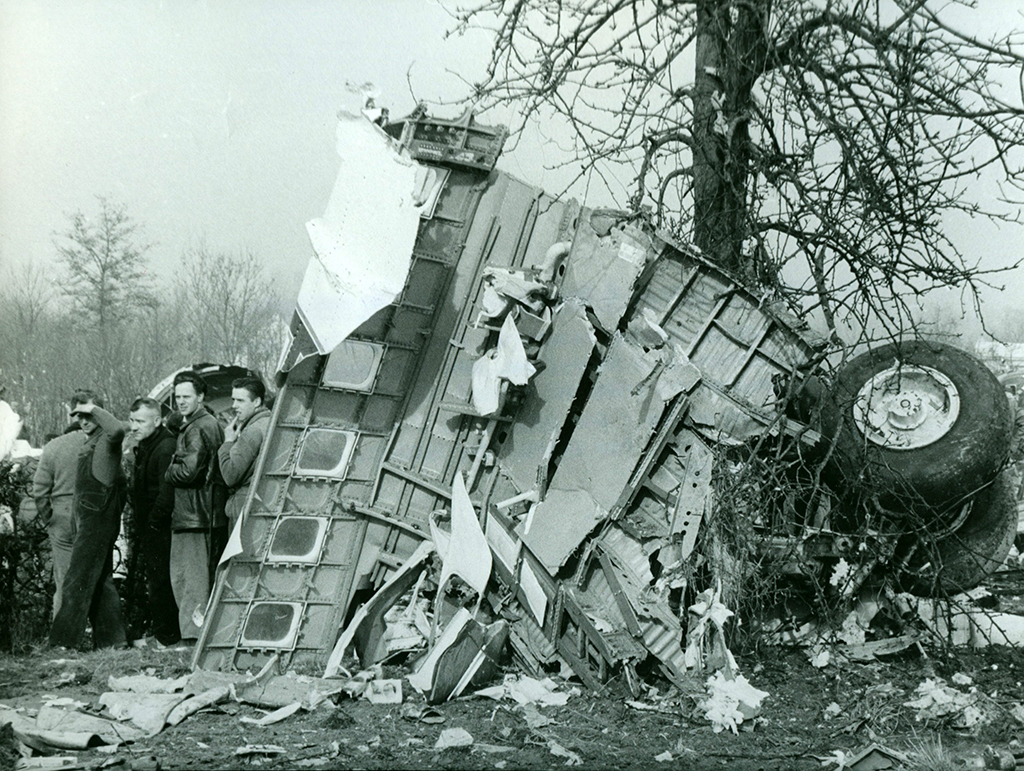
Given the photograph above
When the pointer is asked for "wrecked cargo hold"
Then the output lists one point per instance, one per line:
(529, 388)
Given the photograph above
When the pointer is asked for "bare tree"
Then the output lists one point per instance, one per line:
(107, 281)
(227, 308)
(27, 293)
(106, 266)
(26, 311)
(831, 141)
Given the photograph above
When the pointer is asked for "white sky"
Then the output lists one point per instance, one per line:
(209, 120)
(215, 119)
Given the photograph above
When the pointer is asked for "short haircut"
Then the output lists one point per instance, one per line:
(193, 377)
(85, 396)
(253, 385)
(144, 402)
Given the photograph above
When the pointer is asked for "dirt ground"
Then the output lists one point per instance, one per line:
(798, 729)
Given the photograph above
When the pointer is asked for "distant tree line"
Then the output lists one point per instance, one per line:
(97, 318)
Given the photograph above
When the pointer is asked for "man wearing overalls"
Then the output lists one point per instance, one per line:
(100, 493)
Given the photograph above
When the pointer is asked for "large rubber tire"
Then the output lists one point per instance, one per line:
(962, 560)
(937, 475)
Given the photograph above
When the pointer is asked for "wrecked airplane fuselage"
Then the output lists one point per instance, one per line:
(468, 348)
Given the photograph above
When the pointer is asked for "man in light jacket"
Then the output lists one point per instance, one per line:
(242, 442)
(53, 489)
(196, 525)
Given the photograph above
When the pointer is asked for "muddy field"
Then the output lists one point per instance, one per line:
(812, 714)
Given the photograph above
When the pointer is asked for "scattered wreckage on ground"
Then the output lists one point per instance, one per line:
(532, 395)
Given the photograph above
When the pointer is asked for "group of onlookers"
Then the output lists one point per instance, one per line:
(189, 481)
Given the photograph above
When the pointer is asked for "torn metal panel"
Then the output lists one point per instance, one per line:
(603, 268)
(694, 489)
(466, 554)
(357, 266)
(612, 433)
(660, 629)
(530, 645)
(677, 376)
(466, 652)
(599, 592)
(740, 346)
(504, 544)
(433, 441)
(593, 655)
(548, 397)
(366, 628)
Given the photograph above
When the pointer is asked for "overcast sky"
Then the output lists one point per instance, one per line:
(209, 120)
(215, 119)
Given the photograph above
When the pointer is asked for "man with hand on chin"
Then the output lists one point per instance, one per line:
(242, 442)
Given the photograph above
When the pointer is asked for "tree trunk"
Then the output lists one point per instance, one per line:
(730, 54)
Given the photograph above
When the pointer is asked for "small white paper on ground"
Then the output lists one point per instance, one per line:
(383, 692)
(453, 737)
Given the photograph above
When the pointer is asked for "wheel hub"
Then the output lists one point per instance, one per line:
(906, 407)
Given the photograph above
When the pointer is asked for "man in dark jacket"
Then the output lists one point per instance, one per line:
(243, 439)
(197, 528)
(153, 502)
(88, 593)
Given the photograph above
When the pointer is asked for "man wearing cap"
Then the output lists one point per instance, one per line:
(197, 526)
(242, 441)
(53, 489)
(88, 593)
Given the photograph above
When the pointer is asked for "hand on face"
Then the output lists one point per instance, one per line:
(83, 414)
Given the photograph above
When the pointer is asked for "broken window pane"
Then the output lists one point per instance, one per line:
(298, 539)
(353, 364)
(271, 623)
(295, 403)
(325, 452)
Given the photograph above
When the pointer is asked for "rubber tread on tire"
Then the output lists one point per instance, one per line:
(962, 560)
(934, 476)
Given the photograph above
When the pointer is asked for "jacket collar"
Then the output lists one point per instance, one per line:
(152, 439)
(260, 411)
(195, 416)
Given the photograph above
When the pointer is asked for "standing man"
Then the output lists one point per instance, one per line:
(196, 527)
(88, 592)
(153, 502)
(242, 441)
(53, 489)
